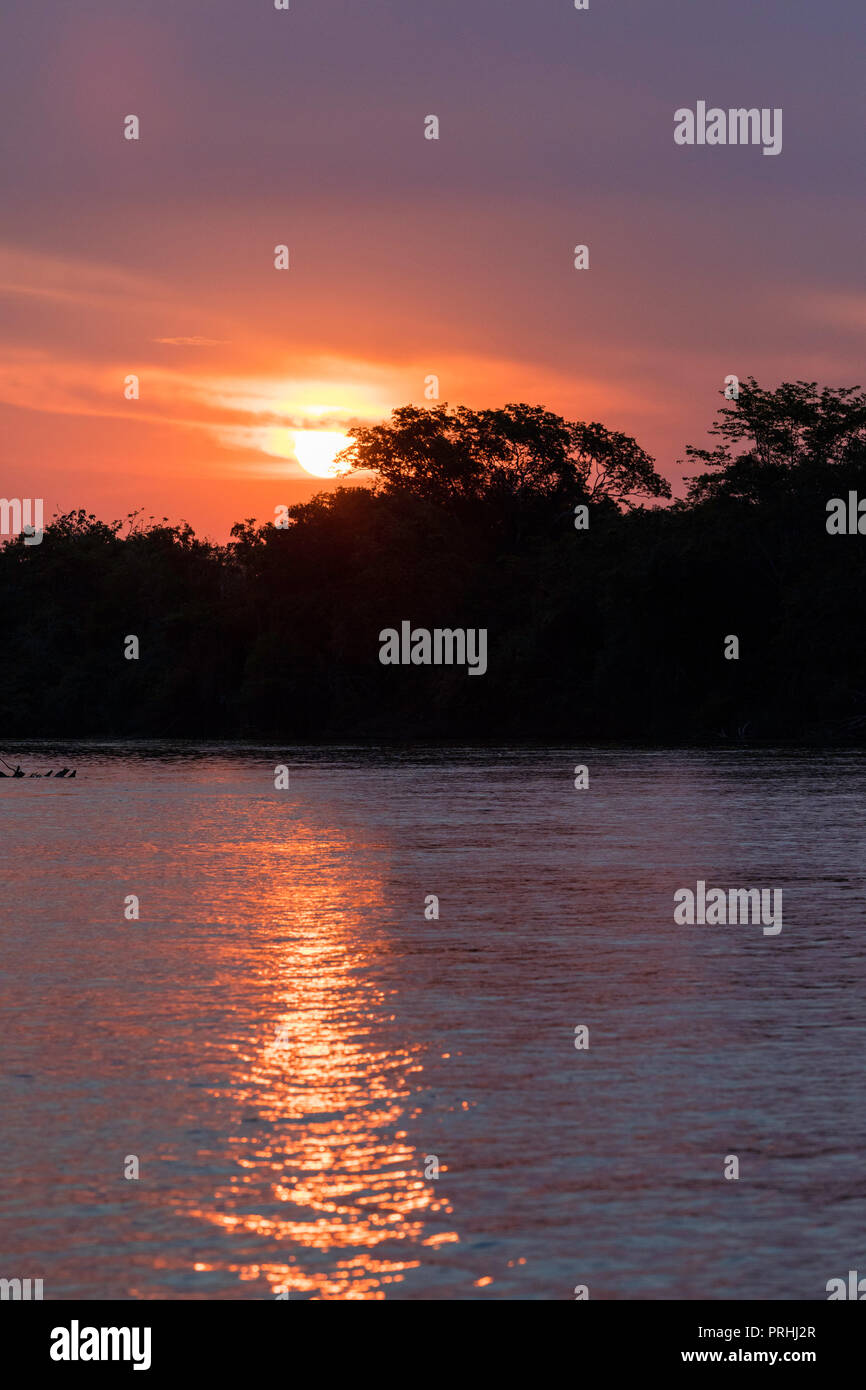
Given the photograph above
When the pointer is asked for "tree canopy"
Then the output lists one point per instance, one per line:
(521, 451)
(612, 631)
(788, 433)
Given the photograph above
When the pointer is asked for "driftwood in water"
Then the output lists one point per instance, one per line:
(64, 772)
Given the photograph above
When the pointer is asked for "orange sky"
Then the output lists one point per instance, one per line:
(408, 257)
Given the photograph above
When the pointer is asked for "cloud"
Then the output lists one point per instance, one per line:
(192, 342)
(73, 280)
(835, 309)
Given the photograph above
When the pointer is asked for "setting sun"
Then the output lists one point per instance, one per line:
(316, 450)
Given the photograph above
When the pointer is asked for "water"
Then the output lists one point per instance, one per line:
(286, 1044)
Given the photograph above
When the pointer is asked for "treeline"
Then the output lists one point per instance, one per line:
(607, 614)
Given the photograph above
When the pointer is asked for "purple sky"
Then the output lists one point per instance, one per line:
(408, 256)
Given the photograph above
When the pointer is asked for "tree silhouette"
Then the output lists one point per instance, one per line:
(790, 434)
(612, 631)
(522, 451)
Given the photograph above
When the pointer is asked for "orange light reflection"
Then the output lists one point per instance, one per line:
(344, 1179)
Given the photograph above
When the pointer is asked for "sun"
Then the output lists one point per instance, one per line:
(316, 450)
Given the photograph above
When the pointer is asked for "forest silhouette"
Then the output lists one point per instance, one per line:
(609, 623)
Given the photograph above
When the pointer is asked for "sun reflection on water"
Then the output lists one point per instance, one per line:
(328, 1170)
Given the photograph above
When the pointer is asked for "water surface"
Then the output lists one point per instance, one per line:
(286, 1043)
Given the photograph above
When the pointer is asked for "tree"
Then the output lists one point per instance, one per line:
(518, 451)
(789, 433)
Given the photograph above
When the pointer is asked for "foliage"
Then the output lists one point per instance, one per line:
(612, 632)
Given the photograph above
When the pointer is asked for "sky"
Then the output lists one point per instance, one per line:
(409, 257)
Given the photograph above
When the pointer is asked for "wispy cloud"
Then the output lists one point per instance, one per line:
(192, 342)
